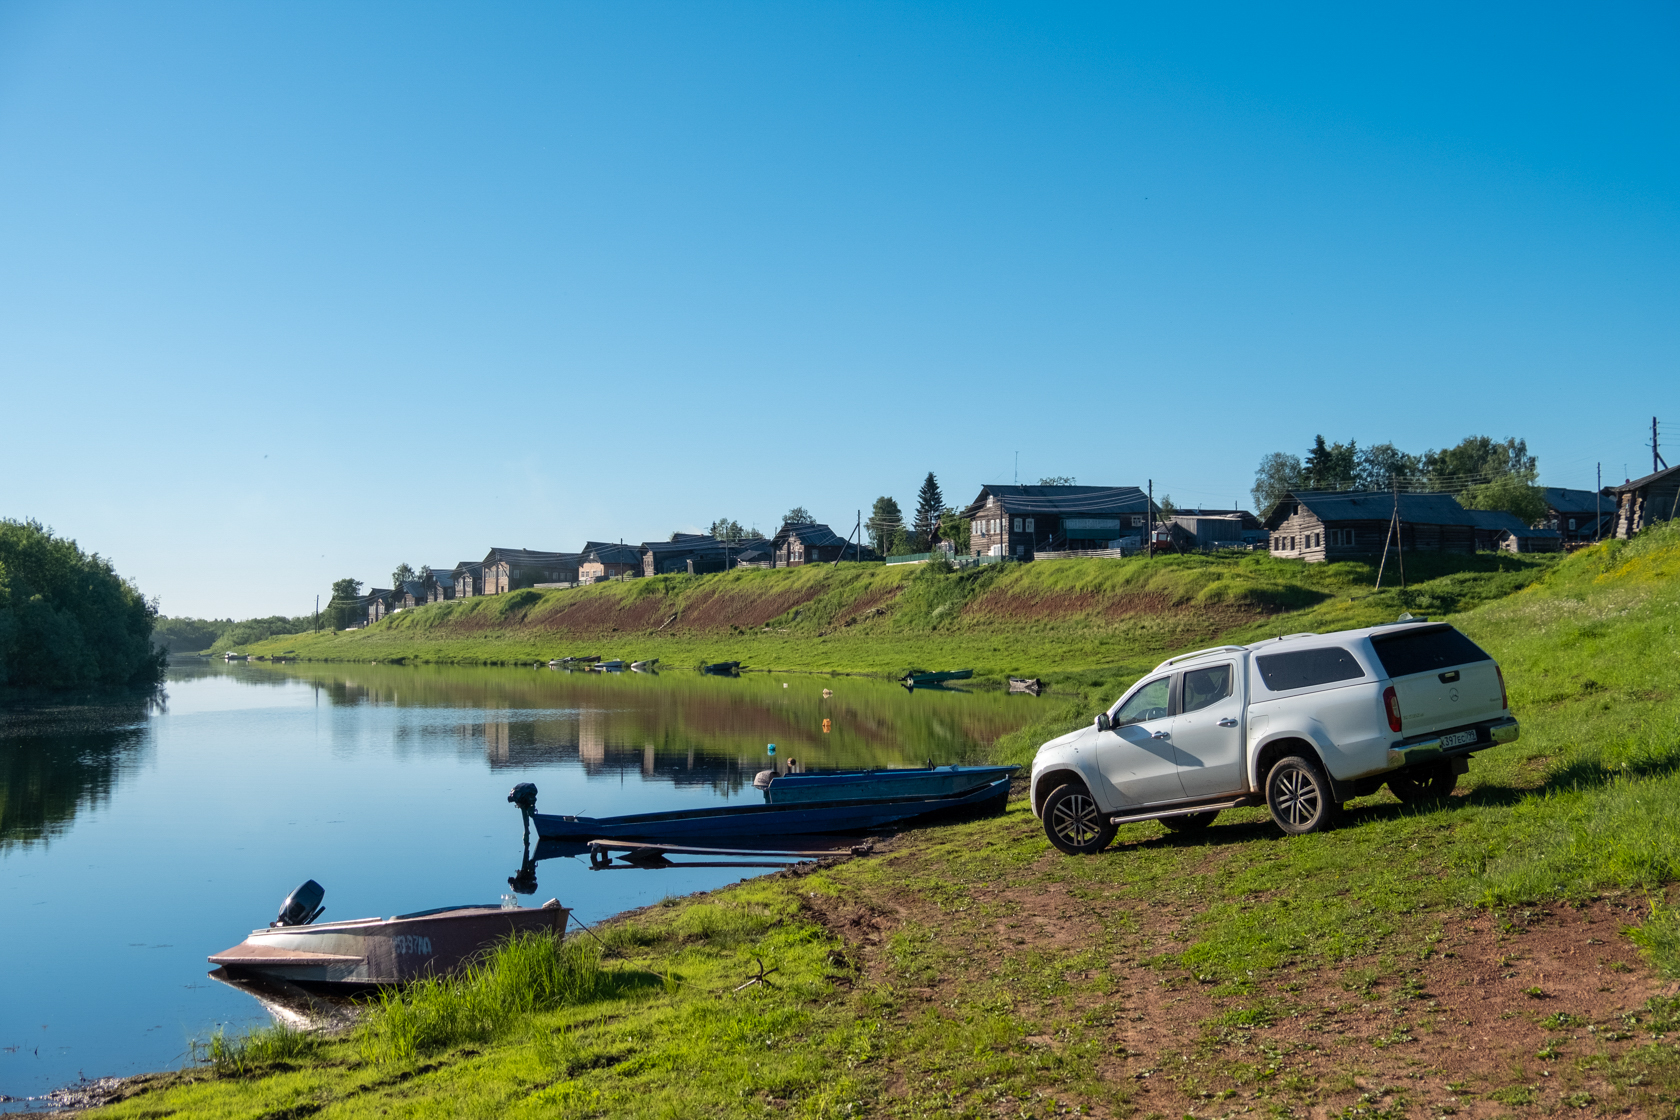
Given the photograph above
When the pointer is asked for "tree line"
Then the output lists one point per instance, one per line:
(67, 619)
(1480, 471)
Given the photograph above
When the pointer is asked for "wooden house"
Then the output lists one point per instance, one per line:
(1646, 501)
(440, 586)
(691, 553)
(601, 560)
(794, 545)
(1318, 525)
(1497, 530)
(377, 603)
(1579, 515)
(468, 577)
(509, 569)
(759, 552)
(409, 594)
(1021, 521)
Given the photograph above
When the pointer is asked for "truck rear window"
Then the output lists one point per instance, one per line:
(1303, 668)
(1425, 651)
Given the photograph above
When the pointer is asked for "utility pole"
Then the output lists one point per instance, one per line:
(1598, 504)
(317, 614)
(1658, 463)
(1149, 520)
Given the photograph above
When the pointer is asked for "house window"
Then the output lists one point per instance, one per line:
(1030, 525)
(1017, 524)
(1572, 523)
(1137, 520)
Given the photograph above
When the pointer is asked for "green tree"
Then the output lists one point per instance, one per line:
(727, 530)
(929, 501)
(341, 608)
(67, 619)
(1058, 480)
(956, 529)
(1383, 465)
(403, 572)
(798, 515)
(1278, 474)
(1509, 493)
(1478, 460)
(885, 525)
(1331, 466)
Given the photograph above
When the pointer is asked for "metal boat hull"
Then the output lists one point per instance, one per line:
(800, 818)
(371, 952)
(878, 785)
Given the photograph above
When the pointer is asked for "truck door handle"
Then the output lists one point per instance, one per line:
(1227, 723)
(1160, 735)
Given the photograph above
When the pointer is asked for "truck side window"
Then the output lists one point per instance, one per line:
(1306, 668)
(1148, 702)
(1204, 686)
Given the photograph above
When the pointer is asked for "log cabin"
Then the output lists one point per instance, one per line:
(1642, 502)
(602, 560)
(1020, 521)
(468, 577)
(812, 543)
(691, 553)
(1320, 525)
(509, 569)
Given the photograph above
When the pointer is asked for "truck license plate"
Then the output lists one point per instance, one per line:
(1458, 739)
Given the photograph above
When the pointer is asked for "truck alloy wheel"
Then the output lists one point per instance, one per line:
(1299, 796)
(1074, 823)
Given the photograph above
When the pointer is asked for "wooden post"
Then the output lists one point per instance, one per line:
(1149, 521)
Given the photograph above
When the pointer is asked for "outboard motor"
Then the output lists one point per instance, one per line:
(302, 906)
(524, 795)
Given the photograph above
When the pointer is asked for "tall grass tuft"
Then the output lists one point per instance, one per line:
(524, 974)
(239, 1055)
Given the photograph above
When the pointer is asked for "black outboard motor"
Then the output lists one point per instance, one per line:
(302, 906)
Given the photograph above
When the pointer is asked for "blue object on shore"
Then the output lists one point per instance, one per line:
(798, 818)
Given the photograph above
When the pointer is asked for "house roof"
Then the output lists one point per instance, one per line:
(611, 552)
(527, 556)
(1249, 521)
(468, 566)
(683, 542)
(1371, 505)
(1067, 500)
(413, 587)
(447, 579)
(1575, 501)
(810, 535)
(758, 547)
(1641, 483)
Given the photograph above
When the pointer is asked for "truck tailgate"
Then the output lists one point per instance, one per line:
(1450, 698)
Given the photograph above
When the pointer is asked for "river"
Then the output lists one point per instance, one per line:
(137, 837)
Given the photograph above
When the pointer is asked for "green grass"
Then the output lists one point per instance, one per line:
(1047, 619)
(968, 1007)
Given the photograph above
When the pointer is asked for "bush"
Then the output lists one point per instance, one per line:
(67, 620)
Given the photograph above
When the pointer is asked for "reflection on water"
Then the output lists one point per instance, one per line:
(55, 761)
(139, 838)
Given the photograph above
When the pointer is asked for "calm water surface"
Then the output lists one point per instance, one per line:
(137, 838)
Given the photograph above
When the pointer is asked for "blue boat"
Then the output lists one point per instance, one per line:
(876, 785)
(772, 819)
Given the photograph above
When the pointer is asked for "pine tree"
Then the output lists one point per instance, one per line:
(929, 501)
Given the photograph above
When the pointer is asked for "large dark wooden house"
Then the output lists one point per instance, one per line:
(469, 579)
(1579, 515)
(812, 543)
(691, 553)
(602, 560)
(509, 569)
(440, 585)
(410, 593)
(1318, 525)
(378, 603)
(1020, 521)
(1643, 502)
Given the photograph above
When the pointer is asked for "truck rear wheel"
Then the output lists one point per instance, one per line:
(1300, 797)
(1420, 784)
(1074, 823)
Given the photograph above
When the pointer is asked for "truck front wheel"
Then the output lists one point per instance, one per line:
(1074, 823)
(1299, 796)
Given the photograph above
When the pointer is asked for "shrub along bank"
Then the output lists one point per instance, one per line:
(1464, 957)
(1030, 619)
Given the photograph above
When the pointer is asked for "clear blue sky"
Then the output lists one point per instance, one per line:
(292, 292)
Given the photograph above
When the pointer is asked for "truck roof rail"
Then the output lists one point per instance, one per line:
(1200, 652)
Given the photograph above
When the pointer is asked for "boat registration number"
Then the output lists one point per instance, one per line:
(1458, 739)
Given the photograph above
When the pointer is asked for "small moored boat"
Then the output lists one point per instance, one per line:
(1025, 684)
(647, 666)
(231, 656)
(722, 668)
(917, 677)
(613, 666)
(373, 952)
(876, 785)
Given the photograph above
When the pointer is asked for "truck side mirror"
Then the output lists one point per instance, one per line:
(1102, 721)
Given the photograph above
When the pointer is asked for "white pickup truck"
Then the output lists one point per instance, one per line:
(1299, 724)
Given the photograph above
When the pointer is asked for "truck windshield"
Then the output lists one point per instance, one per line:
(1425, 651)
(1304, 668)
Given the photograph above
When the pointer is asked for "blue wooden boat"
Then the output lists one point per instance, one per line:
(795, 819)
(876, 785)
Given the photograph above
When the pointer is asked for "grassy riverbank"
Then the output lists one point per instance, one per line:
(1510, 951)
(1050, 619)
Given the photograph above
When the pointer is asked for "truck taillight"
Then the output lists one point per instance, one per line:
(1391, 701)
(1504, 697)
